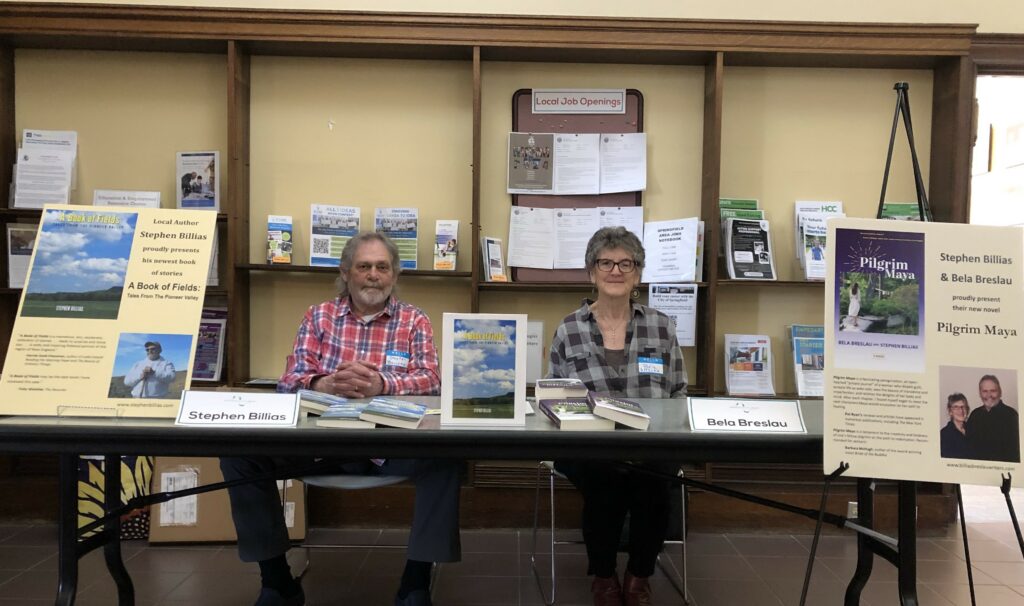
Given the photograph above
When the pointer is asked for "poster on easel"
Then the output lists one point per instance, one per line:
(109, 313)
(923, 330)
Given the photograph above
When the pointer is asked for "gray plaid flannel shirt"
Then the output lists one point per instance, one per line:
(577, 351)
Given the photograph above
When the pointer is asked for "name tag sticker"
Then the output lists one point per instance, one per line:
(651, 366)
(396, 358)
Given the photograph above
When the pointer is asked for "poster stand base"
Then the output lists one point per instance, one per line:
(967, 549)
(1005, 489)
(843, 466)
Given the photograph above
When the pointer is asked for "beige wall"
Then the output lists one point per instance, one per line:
(991, 15)
(373, 133)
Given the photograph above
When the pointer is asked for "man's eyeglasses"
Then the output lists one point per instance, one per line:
(364, 268)
(625, 266)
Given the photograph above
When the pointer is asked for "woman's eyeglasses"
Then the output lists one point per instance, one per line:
(625, 266)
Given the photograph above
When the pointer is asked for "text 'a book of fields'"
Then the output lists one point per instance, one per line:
(109, 314)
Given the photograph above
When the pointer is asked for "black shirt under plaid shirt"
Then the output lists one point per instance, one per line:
(654, 363)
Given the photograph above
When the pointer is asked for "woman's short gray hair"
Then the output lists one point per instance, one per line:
(349, 252)
(608, 238)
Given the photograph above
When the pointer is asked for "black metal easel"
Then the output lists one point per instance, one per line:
(903, 109)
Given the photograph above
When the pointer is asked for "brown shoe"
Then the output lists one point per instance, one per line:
(636, 591)
(606, 591)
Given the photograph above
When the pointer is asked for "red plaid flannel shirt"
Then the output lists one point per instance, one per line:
(331, 333)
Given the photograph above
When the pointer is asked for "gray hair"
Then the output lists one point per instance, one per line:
(990, 378)
(607, 238)
(349, 252)
(957, 397)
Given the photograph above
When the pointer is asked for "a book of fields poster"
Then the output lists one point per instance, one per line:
(109, 313)
(483, 369)
(923, 337)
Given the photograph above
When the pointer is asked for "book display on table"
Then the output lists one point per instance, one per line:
(317, 402)
(394, 413)
(622, 411)
(559, 388)
(345, 415)
(573, 414)
(483, 369)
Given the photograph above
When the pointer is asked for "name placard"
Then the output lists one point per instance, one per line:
(238, 409)
(756, 416)
(579, 101)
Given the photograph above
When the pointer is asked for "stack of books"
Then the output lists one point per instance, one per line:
(570, 407)
(394, 413)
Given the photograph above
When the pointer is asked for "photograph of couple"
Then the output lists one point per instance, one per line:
(980, 415)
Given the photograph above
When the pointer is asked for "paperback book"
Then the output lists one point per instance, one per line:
(330, 228)
(345, 415)
(483, 369)
(394, 413)
(279, 239)
(199, 179)
(573, 414)
(559, 388)
(316, 402)
(748, 365)
(446, 244)
(749, 250)
(622, 411)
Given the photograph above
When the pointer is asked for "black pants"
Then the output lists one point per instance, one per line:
(609, 493)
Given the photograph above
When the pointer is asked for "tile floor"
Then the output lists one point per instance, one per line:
(724, 569)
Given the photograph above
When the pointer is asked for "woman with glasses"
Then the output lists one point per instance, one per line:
(953, 437)
(625, 349)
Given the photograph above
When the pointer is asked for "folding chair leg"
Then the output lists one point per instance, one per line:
(548, 601)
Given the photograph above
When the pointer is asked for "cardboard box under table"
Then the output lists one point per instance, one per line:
(207, 517)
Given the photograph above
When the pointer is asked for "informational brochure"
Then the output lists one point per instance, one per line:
(630, 217)
(745, 416)
(748, 246)
(213, 275)
(109, 314)
(279, 239)
(531, 237)
(43, 177)
(330, 228)
(679, 302)
(531, 163)
(671, 250)
(483, 369)
(209, 360)
(198, 179)
(748, 365)
(924, 330)
(62, 141)
(402, 226)
(735, 213)
(813, 244)
(577, 163)
(809, 366)
(809, 208)
(623, 162)
(132, 199)
(699, 266)
(446, 244)
(21, 240)
(494, 267)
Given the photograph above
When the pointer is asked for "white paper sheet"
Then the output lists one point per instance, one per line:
(43, 177)
(531, 237)
(630, 217)
(679, 302)
(671, 248)
(573, 229)
(578, 164)
(623, 162)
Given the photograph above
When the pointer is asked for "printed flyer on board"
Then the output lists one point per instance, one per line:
(109, 314)
(923, 336)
